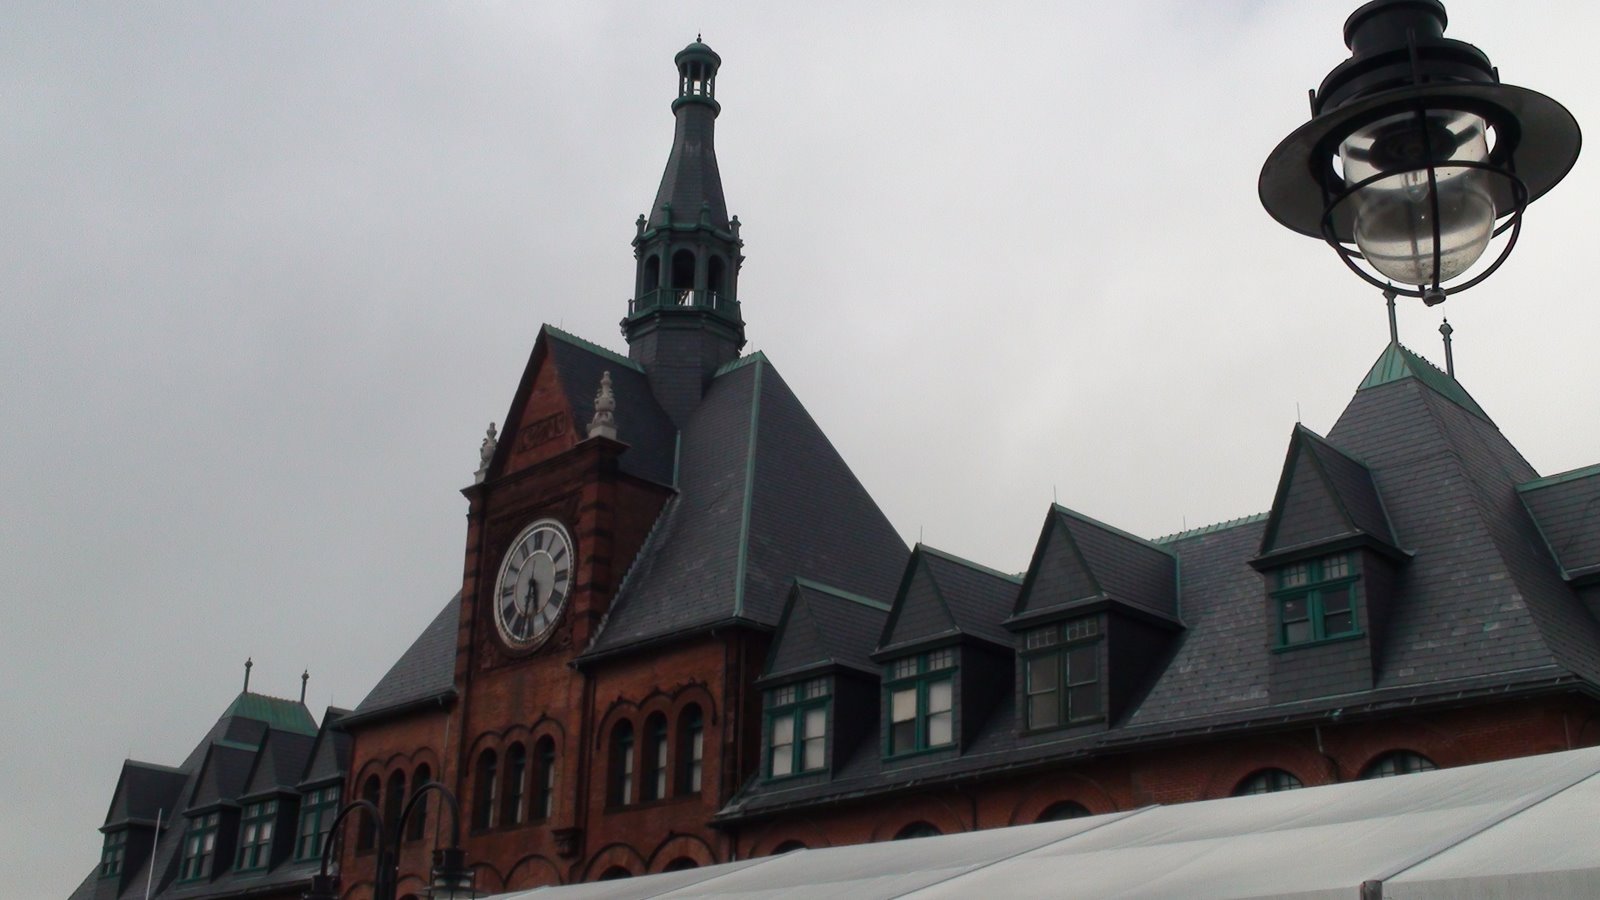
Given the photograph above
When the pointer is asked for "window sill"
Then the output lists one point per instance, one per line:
(925, 751)
(1323, 642)
(795, 776)
(1065, 726)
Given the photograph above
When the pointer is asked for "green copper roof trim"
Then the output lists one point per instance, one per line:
(1090, 520)
(749, 486)
(1212, 529)
(1561, 478)
(736, 364)
(951, 557)
(677, 455)
(832, 591)
(1397, 363)
(284, 715)
(235, 745)
(596, 349)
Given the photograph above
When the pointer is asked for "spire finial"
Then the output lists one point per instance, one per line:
(248, 663)
(305, 676)
(1394, 329)
(698, 39)
(604, 423)
(1449, 357)
(485, 453)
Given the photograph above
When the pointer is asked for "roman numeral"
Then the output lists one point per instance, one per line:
(559, 553)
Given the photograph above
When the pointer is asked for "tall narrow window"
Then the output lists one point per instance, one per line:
(1061, 667)
(318, 808)
(113, 853)
(393, 802)
(372, 792)
(1316, 600)
(691, 749)
(417, 825)
(797, 717)
(255, 834)
(921, 702)
(199, 847)
(486, 790)
(655, 758)
(622, 764)
(516, 785)
(545, 792)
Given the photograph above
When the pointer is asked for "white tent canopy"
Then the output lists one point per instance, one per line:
(1518, 828)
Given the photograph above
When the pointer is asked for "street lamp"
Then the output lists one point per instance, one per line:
(450, 877)
(1416, 155)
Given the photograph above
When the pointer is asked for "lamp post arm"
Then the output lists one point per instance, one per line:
(450, 801)
(334, 834)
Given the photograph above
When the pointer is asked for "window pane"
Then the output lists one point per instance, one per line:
(782, 760)
(1297, 632)
(816, 723)
(939, 730)
(1082, 665)
(905, 667)
(1043, 637)
(1338, 623)
(939, 695)
(816, 687)
(783, 730)
(816, 729)
(941, 659)
(903, 705)
(1042, 712)
(1079, 629)
(1042, 674)
(1085, 701)
(1335, 567)
(1294, 576)
(903, 737)
(1294, 609)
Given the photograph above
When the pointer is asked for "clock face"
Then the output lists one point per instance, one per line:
(535, 579)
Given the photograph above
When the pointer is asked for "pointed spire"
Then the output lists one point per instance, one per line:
(604, 423)
(485, 453)
(248, 663)
(1449, 357)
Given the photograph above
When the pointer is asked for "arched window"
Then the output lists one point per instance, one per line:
(1267, 781)
(683, 277)
(1398, 762)
(417, 825)
(715, 271)
(516, 786)
(652, 273)
(655, 758)
(787, 846)
(681, 863)
(622, 764)
(614, 873)
(916, 830)
(485, 790)
(1066, 809)
(394, 801)
(545, 785)
(691, 749)
(372, 792)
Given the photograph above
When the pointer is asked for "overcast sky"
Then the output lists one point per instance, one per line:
(268, 270)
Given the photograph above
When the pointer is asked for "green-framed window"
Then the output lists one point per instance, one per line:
(317, 812)
(920, 698)
(114, 853)
(199, 847)
(1316, 600)
(255, 834)
(797, 727)
(1061, 674)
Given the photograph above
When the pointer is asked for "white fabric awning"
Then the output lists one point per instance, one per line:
(1518, 828)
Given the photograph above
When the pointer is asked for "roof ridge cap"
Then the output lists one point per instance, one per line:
(592, 347)
(1091, 520)
(1545, 481)
(962, 561)
(734, 365)
(841, 594)
(1214, 527)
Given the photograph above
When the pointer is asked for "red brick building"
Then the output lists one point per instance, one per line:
(686, 634)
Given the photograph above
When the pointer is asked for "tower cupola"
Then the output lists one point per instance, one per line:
(683, 322)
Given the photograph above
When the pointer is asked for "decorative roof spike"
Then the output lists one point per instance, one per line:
(305, 676)
(1449, 357)
(248, 663)
(604, 423)
(485, 453)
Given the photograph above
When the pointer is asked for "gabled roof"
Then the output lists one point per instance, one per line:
(763, 498)
(330, 757)
(279, 764)
(144, 790)
(1566, 508)
(426, 672)
(823, 626)
(946, 596)
(222, 776)
(641, 423)
(1324, 495)
(1079, 561)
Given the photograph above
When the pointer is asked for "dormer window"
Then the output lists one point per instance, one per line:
(199, 847)
(1316, 600)
(797, 727)
(1061, 670)
(921, 693)
(317, 812)
(255, 834)
(114, 853)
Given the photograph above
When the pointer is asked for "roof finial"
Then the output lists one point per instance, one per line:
(1449, 357)
(247, 664)
(485, 453)
(698, 38)
(1394, 329)
(305, 676)
(604, 423)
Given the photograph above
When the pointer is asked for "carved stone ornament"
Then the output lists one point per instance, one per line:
(486, 453)
(604, 423)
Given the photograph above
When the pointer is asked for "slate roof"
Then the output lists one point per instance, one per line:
(763, 498)
(245, 752)
(425, 672)
(1566, 508)
(330, 758)
(1080, 559)
(944, 596)
(824, 626)
(691, 176)
(1324, 494)
(641, 423)
(1479, 607)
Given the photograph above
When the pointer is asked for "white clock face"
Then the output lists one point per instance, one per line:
(535, 579)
